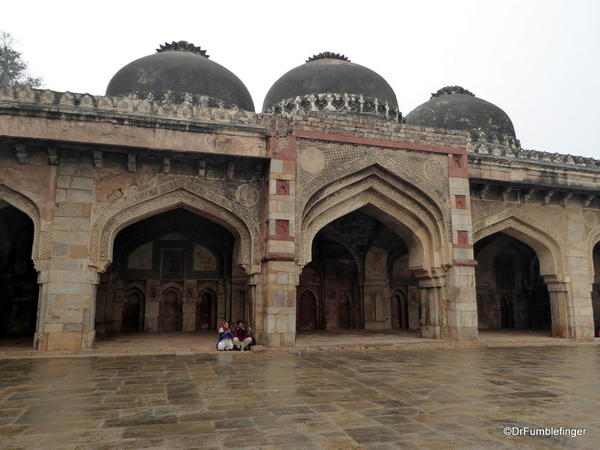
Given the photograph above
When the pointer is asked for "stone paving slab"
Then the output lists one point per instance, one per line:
(443, 398)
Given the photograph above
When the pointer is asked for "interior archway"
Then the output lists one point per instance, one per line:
(511, 293)
(18, 277)
(357, 262)
(174, 269)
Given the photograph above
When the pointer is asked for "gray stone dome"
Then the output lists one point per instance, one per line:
(456, 108)
(332, 73)
(180, 68)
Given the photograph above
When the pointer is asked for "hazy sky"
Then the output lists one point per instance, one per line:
(537, 60)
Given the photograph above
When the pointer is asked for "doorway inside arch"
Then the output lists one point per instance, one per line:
(18, 278)
(206, 309)
(358, 279)
(511, 294)
(171, 273)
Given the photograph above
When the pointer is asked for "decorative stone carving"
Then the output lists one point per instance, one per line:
(590, 219)
(341, 102)
(311, 159)
(196, 108)
(247, 194)
(434, 172)
(178, 191)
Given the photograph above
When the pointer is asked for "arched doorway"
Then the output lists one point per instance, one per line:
(169, 268)
(333, 276)
(307, 311)
(133, 311)
(206, 312)
(18, 277)
(511, 294)
(170, 313)
(349, 279)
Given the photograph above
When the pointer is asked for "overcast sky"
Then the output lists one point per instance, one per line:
(537, 60)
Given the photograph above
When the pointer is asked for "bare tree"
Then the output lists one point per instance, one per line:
(13, 70)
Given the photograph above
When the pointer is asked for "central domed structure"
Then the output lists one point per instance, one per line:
(177, 69)
(329, 81)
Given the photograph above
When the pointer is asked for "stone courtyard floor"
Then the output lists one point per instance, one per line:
(439, 398)
(187, 343)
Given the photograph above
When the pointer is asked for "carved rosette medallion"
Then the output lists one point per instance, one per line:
(247, 194)
(590, 219)
(312, 159)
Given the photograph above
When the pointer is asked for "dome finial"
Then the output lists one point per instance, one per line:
(451, 90)
(328, 55)
(182, 46)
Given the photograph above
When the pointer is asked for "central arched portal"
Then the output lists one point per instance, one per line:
(359, 268)
(171, 272)
(511, 294)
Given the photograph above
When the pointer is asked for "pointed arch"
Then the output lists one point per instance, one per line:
(546, 247)
(131, 209)
(399, 205)
(28, 207)
(593, 238)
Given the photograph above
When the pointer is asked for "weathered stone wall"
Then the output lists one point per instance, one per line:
(83, 168)
(552, 208)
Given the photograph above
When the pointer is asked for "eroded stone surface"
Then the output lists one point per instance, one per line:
(386, 399)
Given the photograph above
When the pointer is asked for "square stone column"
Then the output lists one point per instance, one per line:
(68, 287)
(576, 316)
(460, 305)
(431, 298)
(67, 309)
(276, 311)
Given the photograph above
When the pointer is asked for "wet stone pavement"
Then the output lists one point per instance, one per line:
(371, 399)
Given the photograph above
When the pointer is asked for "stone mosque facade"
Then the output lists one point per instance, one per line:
(169, 204)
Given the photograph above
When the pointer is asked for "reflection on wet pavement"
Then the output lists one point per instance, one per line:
(372, 399)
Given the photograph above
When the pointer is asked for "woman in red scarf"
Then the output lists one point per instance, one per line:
(225, 341)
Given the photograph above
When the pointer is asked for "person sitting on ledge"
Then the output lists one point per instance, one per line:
(242, 339)
(224, 342)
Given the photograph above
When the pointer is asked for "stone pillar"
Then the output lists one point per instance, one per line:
(430, 296)
(189, 305)
(278, 284)
(152, 305)
(116, 311)
(579, 300)
(67, 300)
(377, 302)
(460, 303)
(559, 299)
(68, 286)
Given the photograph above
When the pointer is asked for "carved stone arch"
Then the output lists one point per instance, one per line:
(374, 172)
(546, 247)
(367, 161)
(131, 209)
(593, 238)
(28, 207)
(422, 227)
